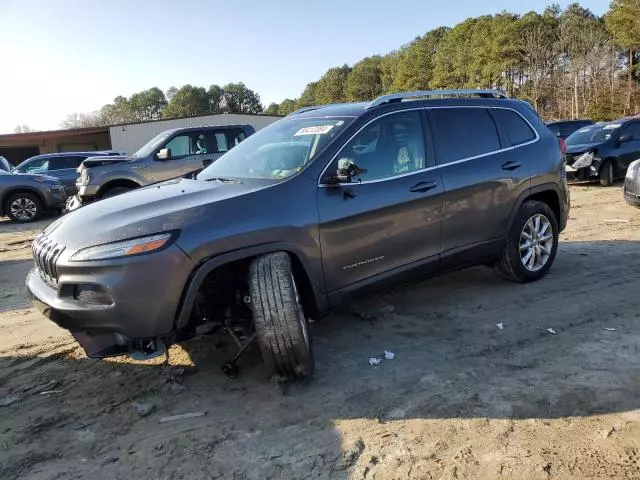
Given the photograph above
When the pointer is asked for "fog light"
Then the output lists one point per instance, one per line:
(92, 294)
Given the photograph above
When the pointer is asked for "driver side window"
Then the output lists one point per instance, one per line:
(390, 146)
(179, 146)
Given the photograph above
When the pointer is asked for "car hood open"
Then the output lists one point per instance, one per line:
(98, 161)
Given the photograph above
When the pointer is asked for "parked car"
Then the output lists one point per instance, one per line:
(329, 202)
(4, 164)
(563, 128)
(604, 151)
(172, 153)
(59, 165)
(25, 198)
(632, 184)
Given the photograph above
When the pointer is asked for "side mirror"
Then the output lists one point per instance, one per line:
(346, 171)
(164, 154)
(627, 137)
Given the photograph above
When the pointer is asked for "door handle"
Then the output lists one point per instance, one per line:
(423, 186)
(511, 165)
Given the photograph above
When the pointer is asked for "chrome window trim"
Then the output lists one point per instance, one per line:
(435, 167)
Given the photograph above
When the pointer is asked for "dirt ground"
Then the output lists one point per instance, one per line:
(462, 399)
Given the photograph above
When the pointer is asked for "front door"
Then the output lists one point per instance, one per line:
(629, 150)
(65, 168)
(483, 174)
(388, 216)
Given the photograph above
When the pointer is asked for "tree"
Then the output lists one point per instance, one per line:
(147, 105)
(364, 81)
(272, 109)
(237, 98)
(215, 94)
(287, 106)
(171, 92)
(332, 86)
(23, 129)
(308, 97)
(623, 21)
(188, 101)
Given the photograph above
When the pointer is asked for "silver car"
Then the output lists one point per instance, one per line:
(25, 198)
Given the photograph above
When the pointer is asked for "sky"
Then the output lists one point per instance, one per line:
(64, 56)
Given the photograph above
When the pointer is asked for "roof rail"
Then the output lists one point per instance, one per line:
(398, 97)
(312, 107)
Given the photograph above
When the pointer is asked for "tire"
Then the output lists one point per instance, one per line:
(112, 192)
(24, 207)
(281, 326)
(510, 264)
(606, 174)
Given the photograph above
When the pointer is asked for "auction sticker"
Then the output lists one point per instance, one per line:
(317, 130)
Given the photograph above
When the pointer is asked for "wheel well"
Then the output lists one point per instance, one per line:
(117, 183)
(550, 197)
(7, 195)
(222, 283)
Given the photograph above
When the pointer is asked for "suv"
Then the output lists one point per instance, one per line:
(603, 151)
(563, 128)
(62, 166)
(328, 202)
(25, 198)
(173, 153)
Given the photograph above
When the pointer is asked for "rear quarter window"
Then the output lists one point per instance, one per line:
(461, 133)
(514, 126)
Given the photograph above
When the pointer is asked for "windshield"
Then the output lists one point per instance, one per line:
(151, 146)
(593, 134)
(278, 151)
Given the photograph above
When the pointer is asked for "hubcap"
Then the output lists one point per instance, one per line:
(23, 208)
(536, 243)
(301, 317)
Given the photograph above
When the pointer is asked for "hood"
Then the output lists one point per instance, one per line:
(582, 147)
(97, 161)
(166, 206)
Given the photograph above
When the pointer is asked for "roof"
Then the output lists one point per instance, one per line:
(96, 153)
(43, 135)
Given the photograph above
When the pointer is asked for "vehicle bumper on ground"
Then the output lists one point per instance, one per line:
(73, 203)
(632, 192)
(581, 174)
(112, 307)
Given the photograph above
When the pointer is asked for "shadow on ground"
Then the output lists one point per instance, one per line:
(452, 362)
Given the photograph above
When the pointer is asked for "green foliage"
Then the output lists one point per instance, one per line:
(363, 81)
(332, 86)
(287, 106)
(189, 101)
(237, 98)
(272, 109)
(308, 97)
(623, 21)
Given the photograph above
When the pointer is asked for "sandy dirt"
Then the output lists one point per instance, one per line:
(461, 400)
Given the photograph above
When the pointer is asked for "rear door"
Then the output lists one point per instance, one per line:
(387, 217)
(483, 174)
(64, 169)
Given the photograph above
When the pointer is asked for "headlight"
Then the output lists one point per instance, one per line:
(633, 169)
(126, 248)
(584, 160)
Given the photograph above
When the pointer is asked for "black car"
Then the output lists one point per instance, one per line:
(563, 128)
(324, 204)
(603, 151)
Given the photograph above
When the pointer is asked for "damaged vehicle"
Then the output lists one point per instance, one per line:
(603, 151)
(324, 204)
(26, 198)
(172, 153)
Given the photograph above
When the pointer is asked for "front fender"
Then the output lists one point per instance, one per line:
(200, 273)
(100, 179)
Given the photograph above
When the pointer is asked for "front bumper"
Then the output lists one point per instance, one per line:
(55, 200)
(87, 190)
(632, 191)
(144, 293)
(582, 174)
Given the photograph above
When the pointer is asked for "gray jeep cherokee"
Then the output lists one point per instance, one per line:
(326, 203)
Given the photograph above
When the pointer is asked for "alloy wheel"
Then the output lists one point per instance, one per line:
(536, 242)
(23, 208)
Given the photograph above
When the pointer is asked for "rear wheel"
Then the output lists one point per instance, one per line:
(606, 174)
(531, 245)
(24, 207)
(281, 325)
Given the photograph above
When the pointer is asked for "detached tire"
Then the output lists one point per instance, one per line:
(531, 245)
(24, 207)
(281, 326)
(606, 174)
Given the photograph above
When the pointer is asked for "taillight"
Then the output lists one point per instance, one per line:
(563, 146)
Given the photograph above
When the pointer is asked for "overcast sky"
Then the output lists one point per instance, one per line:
(64, 56)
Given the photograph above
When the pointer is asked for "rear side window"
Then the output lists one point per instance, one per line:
(461, 133)
(634, 130)
(60, 163)
(514, 126)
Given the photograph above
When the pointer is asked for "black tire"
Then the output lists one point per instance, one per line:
(606, 176)
(281, 326)
(112, 192)
(510, 264)
(32, 207)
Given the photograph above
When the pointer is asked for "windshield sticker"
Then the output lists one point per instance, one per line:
(317, 130)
